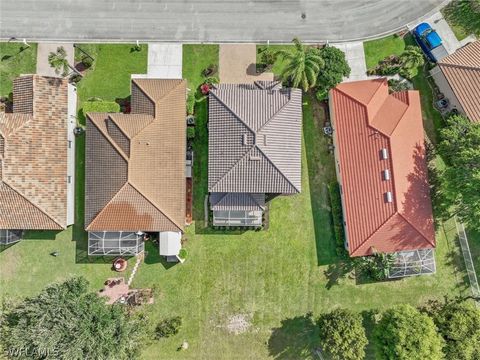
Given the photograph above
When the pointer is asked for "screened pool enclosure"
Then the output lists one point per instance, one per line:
(115, 243)
(411, 263)
(8, 237)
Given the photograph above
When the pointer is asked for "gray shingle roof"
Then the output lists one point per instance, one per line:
(255, 139)
(237, 201)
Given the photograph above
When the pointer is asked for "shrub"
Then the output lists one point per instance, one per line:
(168, 327)
(87, 61)
(190, 133)
(337, 216)
(335, 69)
(211, 70)
(395, 85)
(268, 57)
(376, 266)
(191, 103)
(404, 333)
(99, 106)
(183, 254)
(342, 335)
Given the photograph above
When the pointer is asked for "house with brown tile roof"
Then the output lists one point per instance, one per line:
(254, 149)
(381, 168)
(135, 169)
(34, 145)
(458, 78)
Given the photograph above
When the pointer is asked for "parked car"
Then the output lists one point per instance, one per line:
(430, 42)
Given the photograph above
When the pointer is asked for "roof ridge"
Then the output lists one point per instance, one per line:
(154, 205)
(407, 106)
(233, 112)
(276, 167)
(108, 137)
(466, 67)
(276, 113)
(32, 203)
(256, 202)
(373, 233)
(416, 229)
(105, 206)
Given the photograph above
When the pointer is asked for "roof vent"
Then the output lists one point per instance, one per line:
(255, 158)
(265, 139)
(245, 139)
(389, 196)
(384, 154)
(386, 174)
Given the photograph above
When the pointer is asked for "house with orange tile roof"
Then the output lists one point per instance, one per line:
(135, 171)
(36, 158)
(382, 170)
(458, 78)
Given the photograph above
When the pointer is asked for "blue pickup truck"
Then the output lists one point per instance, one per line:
(430, 42)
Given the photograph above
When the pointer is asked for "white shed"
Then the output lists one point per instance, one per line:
(169, 243)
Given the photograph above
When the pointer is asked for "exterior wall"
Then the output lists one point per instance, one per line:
(445, 88)
(338, 167)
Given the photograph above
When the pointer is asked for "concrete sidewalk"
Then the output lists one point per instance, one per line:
(165, 61)
(44, 49)
(355, 56)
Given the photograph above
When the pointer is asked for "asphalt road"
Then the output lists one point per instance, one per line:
(207, 20)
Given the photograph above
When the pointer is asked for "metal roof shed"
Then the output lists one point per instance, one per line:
(170, 243)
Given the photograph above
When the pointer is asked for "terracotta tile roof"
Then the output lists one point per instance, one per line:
(33, 156)
(135, 163)
(367, 119)
(462, 71)
(255, 139)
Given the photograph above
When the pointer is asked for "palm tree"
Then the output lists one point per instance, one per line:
(412, 57)
(58, 60)
(303, 65)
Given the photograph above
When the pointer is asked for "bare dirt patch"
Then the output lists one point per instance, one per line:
(238, 324)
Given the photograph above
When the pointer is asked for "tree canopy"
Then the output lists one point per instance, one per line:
(404, 333)
(335, 69)
(342, 335)
(459, 325)
(303, 64)
(66, 321)
(58, 60)
(460, 180)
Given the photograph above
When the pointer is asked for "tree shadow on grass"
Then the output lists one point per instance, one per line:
(296, 338)
(339, 270)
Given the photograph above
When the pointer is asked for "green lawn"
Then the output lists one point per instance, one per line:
(110, 78)
(463, 16)
(474, 243)
(15, 59)
(279, 64)
(273, 278)
(376, 50)
(196, 58)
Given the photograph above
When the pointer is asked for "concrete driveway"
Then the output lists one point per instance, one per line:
(208, 20)
(164, 61)
(44, 49)
(355, 56)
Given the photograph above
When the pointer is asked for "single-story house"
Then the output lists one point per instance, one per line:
(382, 170)
(458, 78)
(135, 169)
(254, 149)
(36, 158)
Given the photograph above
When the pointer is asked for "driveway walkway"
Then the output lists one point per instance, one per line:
(164, 61)
(44, 49)
(356, 59)
(237, 64)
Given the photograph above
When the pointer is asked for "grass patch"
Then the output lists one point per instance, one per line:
(474, 244)
(110, 77)
(196, 58)
(463, 16)
(15, 59)
(377, 50)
